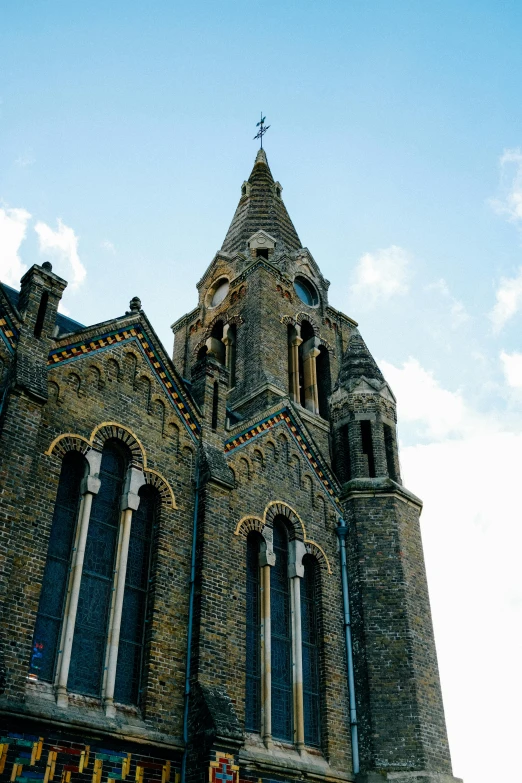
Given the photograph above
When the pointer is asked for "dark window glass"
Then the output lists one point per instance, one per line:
(306, 291)
(56, 575)
(324, 381)
(90, 633)
(132, 634)
(253, 637)
(310, 636)
(282, 690)
(367, 445)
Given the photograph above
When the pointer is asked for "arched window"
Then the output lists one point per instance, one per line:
(281, 639)
(90, 634)
(310, 641)
(305, 391)
(132, 634)
(253, 636)
(218, 346)
(324, 382)
(51, 608)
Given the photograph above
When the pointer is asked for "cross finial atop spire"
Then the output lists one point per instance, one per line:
(262, 129)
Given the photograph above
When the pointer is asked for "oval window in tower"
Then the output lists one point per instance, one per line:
(306, 291)
(219, 292)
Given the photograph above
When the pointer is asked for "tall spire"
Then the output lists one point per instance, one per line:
(261, 207)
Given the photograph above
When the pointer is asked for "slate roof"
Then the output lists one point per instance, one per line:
(65, 325)
(263, 209)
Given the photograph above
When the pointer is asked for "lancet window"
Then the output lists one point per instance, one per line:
(55, 580)
(253, 636)
(309, 379)
(89, 634)
(310, 631)
(282, 695)
(281, 638)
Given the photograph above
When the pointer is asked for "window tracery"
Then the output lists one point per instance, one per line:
(89, 633)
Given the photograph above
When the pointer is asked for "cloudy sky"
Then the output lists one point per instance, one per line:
(396, 131)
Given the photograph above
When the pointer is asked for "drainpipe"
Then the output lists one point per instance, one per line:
(342, 532)
(192, 588)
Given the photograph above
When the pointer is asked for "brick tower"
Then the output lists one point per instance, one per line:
(210, 568)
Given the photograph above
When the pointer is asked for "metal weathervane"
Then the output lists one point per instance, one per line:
(262, 129)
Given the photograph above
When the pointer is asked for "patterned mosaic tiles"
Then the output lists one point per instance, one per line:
(133, 334)
(223, 769)
(25, 758)
(285, 417)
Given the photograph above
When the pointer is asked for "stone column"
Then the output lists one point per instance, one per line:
(129, 503)
(295, 573)
(310, 354)
(295, 342)
(90, 487)
(230, 353)
(266, 561)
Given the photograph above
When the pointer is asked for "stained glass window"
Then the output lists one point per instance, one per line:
(282, 690)
(90, 633)
(132, 634)
(253, 637)
(48, 627)
(310, 638)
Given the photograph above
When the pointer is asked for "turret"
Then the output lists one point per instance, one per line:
(40, 294)
(363, 412)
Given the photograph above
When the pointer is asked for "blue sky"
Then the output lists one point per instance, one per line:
(125, 134)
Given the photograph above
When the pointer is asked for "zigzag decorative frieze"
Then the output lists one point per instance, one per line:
(284, 416)
(135, 334)
(8, 331)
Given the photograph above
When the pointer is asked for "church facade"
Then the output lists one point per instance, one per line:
(210, 567)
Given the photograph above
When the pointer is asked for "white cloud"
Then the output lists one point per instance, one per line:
(512, 367)
(108, 245)
(13, 228)
(437, 412)
(509, 300)
(458, 313)
(510, 204)
(63, 246)
(381, 275)
(472, 542)
(24, 161)
(468, 478)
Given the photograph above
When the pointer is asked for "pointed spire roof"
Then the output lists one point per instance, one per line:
(358, 362)
(261, 207)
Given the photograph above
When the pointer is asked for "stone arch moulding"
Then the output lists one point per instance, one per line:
(69, 441)
(276, 508)
(226, 318)
(299, 317)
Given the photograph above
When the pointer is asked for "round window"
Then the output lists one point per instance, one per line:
(306, 291)
(219, 292)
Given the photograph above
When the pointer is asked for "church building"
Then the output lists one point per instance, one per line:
(210, 569)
